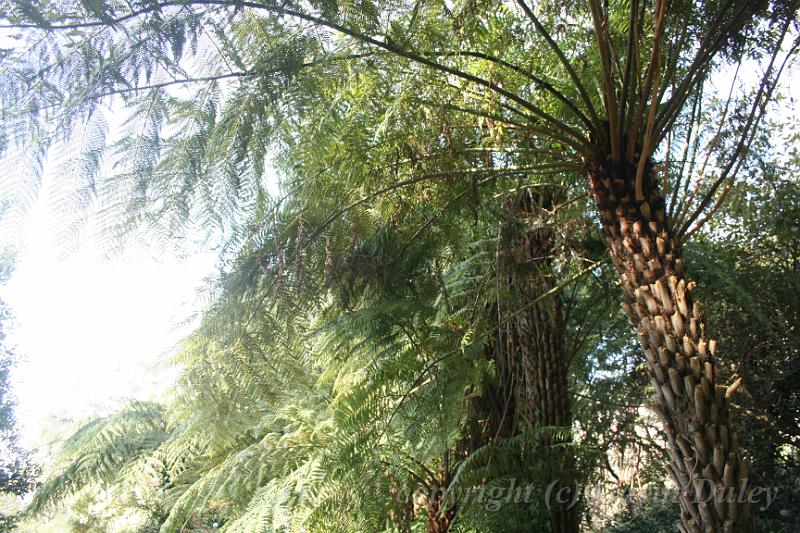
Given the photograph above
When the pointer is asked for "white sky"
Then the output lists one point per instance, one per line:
(88, 328)
(90, 325)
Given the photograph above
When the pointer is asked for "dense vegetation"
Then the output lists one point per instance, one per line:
(428, 327)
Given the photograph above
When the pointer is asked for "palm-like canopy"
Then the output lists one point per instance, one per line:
(601, 90)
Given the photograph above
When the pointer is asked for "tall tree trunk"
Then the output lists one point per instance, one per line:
(705, 461)
(530, 355)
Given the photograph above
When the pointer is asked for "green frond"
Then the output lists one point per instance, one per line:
(106, 450)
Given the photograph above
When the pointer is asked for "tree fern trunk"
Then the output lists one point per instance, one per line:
(705, 461)
(532, 355)
(439, 520)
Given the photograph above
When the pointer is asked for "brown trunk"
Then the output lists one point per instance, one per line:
(530, 354)
(439, 521)
(705, 462)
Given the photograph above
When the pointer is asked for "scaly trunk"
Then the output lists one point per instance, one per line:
(705, 462)
(531, 358)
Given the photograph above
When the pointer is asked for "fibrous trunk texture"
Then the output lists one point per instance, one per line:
(530, 353)
(705, 461)
(439, 520)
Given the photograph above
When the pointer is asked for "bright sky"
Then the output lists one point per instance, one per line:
(88, 328)
(90, 325)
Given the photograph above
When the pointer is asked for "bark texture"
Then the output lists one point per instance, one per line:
(530, 353)
(439, 520)
(705, 462)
